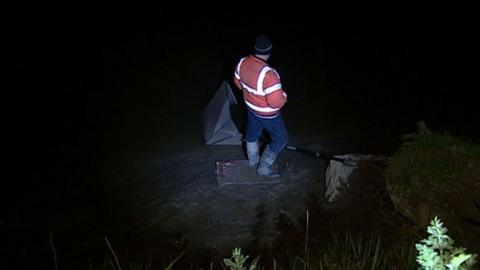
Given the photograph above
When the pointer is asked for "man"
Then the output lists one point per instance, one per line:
(264, 97)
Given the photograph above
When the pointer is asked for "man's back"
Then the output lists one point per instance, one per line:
(261, 85)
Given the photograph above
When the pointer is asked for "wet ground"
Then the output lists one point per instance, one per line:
(152, 205)
(179, 205)
(207, 216)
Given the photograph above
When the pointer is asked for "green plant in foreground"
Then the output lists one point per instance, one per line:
(438, 251)
(236, 262)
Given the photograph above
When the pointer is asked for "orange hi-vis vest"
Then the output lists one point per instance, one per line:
(262, 89)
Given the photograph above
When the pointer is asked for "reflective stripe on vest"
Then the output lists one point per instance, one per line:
(237, 71)
(261, 109)
(261, 78)
(273, 88)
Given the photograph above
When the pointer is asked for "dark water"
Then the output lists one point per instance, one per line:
(98, 92)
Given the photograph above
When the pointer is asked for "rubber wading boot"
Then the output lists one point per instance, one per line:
(252, 154)
(267, 164)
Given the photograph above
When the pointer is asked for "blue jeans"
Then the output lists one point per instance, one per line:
(275, 127)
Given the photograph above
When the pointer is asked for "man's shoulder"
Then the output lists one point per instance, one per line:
(243, 60)
(272, 72)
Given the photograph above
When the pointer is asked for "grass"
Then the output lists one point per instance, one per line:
(437, 159)
(429, 167)
(343, 251)
(356, 252)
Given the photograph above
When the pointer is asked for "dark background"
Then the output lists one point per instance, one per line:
(88, 87)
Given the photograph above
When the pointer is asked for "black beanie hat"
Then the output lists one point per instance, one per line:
(263, 45)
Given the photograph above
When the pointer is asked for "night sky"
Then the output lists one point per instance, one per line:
(89, 86)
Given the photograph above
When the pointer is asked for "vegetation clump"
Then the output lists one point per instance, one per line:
(432, 174)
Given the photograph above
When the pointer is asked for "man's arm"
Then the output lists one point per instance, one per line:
(236, 77)
(237, 82)
(277, 99)
(275, 95)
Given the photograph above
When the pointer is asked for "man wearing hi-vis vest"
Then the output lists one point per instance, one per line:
(264, 97)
